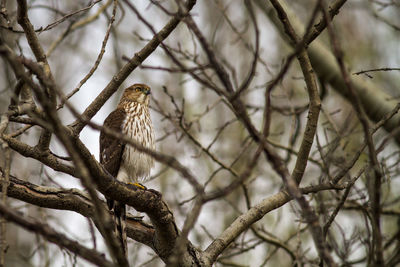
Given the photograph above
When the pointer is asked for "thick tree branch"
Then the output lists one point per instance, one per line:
(254, 214)
(242, 223)
(45, 157)
(72, 200)
(50, 234)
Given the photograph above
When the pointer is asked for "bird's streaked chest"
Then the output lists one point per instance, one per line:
(138, 126)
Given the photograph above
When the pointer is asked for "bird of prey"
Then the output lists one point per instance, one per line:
(125, 162)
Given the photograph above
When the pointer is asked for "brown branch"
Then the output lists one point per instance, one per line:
(72, 200)
(321, 25)
(33, 41)
(30, 34)
(64, 18)
(251, 73)
(53, 236)
(374, 70)
(45, 157)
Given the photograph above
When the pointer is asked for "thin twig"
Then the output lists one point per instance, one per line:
(374, 70)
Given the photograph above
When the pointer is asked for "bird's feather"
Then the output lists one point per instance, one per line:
(111, 151)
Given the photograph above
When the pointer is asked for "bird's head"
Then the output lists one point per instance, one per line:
(138, 92)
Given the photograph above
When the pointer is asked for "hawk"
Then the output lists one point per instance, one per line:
(124, 162)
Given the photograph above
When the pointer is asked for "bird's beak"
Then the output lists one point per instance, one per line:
(148, 92)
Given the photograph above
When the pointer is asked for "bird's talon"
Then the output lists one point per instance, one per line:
(138, 185)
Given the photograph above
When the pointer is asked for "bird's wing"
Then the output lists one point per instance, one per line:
(111, 149)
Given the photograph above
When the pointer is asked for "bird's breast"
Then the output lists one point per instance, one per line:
(137, 125)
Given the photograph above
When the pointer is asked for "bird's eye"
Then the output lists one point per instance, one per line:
(137, 89)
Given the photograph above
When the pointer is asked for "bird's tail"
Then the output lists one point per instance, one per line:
(120, 222)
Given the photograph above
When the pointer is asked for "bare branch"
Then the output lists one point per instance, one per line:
(50, 234)
(73, 200)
